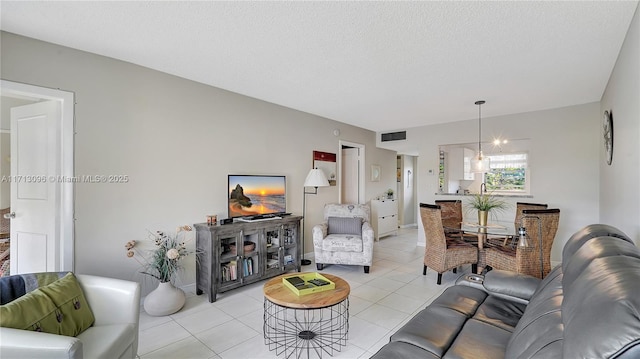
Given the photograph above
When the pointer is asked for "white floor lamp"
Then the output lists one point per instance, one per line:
(315, 178)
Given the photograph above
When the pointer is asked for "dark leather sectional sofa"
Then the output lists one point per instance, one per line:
(588, 307)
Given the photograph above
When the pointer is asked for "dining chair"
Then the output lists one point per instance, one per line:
(443, 253)
(451, 210)
(521, 206)
(541, 227)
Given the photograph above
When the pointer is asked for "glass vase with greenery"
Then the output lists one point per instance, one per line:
(487, 203)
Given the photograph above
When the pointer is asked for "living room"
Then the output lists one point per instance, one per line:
(179, 139)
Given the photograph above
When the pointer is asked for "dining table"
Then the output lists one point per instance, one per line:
(491, 234)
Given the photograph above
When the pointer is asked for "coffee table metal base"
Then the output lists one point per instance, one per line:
(294, 331)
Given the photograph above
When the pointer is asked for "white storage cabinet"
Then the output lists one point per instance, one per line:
(384, 217)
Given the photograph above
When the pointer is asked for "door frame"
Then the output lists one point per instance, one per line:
(65, 203)
(361, 169)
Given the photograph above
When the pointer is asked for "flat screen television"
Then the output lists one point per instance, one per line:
(251, 195)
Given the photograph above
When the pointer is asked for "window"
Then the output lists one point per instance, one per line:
(441, 175)
(508, 173)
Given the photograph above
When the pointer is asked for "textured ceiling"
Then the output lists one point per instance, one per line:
(378, 65)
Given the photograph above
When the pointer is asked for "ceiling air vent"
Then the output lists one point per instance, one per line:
(394, 136)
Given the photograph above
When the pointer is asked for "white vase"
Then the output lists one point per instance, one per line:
(164, 300)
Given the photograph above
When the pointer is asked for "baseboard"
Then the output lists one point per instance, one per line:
(188, 288)
(412, 225)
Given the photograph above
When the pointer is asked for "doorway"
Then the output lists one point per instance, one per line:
(407, 202)
(37, 144)
(351, 172)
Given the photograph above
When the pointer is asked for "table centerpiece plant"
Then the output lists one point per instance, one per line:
(162, 263)
(486, 203)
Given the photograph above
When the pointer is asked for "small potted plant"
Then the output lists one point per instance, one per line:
(485, 203)
(390, 193)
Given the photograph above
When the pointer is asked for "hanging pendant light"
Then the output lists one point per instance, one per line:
(480, 163)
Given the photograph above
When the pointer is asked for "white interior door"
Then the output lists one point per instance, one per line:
(34, 191)
(350, 175)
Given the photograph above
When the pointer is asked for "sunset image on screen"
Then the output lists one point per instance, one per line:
(250, 195)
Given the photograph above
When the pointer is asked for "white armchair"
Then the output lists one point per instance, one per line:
(345, 237)
(115, 305)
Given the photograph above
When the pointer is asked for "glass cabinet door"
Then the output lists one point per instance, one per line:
(273, 240)
(281, 248)
(289, 249)
(249, 262)
(228, 273)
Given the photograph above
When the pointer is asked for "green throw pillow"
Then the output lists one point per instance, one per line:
(57, 308)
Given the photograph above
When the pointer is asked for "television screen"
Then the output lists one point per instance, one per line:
(252, 195)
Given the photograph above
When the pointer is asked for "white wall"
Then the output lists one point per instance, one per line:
(177, 140)
(620, 182)
(563, 161)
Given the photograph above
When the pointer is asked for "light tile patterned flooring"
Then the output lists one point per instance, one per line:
(380, 302)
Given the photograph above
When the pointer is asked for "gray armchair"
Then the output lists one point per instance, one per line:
(345, 237)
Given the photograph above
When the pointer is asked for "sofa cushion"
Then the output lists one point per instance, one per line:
(401, 350)
(345, 225)
(595, 230)
(347, 210)
(501, 313)
(432, 329)
(479, 340)
(463, 299)
(533, 339)
(15, 286)
(598, 247)
(108, 341)
(57, 308)
(510, 284)
(342, 243)
(541, 323)
(603, 302)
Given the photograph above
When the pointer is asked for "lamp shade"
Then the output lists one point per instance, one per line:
(480, 163)
(523, 238)
(316, 178)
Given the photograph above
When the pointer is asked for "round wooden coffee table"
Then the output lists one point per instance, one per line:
(317, 322)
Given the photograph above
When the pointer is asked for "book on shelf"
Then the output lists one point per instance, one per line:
(272, 263)
(288, 259)
(233, 270)
(247, 266)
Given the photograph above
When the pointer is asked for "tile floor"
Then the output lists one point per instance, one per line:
(380, 302)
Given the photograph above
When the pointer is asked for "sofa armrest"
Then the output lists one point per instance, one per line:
(510, 285)
(112, 301)
(17, 343)
(367, 233)
(319, 232)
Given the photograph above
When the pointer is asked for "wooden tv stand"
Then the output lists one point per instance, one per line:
(224, 263)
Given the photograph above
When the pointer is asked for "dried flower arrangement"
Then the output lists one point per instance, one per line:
(163, 262)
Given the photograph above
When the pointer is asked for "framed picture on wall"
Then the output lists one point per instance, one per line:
(375, 173)
(326, 162)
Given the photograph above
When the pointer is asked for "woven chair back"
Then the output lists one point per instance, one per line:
(547, 220)
(433, 230)
(451, 213)
(521, 206)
